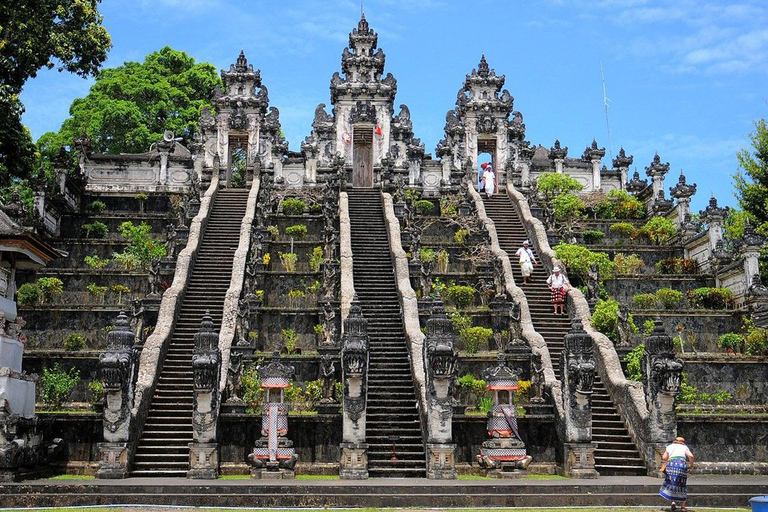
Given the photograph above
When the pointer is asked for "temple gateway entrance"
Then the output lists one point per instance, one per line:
(362, 157)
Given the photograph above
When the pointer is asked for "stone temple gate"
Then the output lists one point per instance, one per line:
(336, 279)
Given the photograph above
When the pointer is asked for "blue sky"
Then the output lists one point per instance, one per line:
(684, 78)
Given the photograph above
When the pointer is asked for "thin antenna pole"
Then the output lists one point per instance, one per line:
(605, 103)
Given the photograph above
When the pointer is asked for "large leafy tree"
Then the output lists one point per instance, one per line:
(33, 35)
(130, 106)
(752, 179)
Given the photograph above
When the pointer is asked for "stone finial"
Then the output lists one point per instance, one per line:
(592, 152)
(657, 168)
(682, 189)
(558, 152)
(636, 185)
(622, 160)
(713, 212)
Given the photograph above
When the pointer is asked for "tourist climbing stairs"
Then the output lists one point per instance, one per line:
(163, 450)
(616, 454)
(393, 429)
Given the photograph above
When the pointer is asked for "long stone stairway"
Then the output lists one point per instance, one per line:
(392, 416)
(163, 450)
(616, 454)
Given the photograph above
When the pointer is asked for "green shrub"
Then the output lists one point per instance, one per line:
(74, 342)
(316, 259)
(578, 259)
(710, 298)
(96, 392)
(95, 229)
(630, 264)
(97, 291)
(659, 230)
(668, 266)
(427, 255)
(689, 266)
(620, 205)
(644, 300)
(568, 206)
(288, 260)
(56, 385)
(687, 394)
(648, 327)
(755, 340)
(552, 184)
(297, 231)
(669, 298)
(460, 322)
(293, 206)
(141, 247)
(731, 341)
(120, 289)
(634, 360)
(471, 390)
(605, 319)
(273, 231)
(50, 288)
(424, 207)
(96, 206)
(253, 393)
(28, 294)
(485, 405)
(290, 339)
(623, 229)
(460, 295)
(592, 236)
(461, 236)
(96, 262)
(474, 338)
(448, 207)
(721, 397)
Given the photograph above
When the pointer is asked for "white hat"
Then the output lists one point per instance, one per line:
(526, 242)
(556, 269)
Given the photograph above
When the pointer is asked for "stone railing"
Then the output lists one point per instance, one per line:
(627, 395)
(410, 308)
(156, 344)
(533, 338)
(231, 298)
(345, 254)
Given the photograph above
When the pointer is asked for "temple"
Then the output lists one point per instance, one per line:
(355, 307)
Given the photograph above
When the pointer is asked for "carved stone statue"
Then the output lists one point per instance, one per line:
(425, 279)
(234, 377)
(329, 324)
(593, 284)
(328, 378)
(154, 277)
(242, 327)
(170, 241)
(549, 217)
(537, 379)
(622, 326)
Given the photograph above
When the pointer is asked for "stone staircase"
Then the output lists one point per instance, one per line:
(163, 449)
(616, 454)
(392, 415)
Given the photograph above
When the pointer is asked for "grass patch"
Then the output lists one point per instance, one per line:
(475, 477)
(72, 477)
(317, 477)
(234, 477)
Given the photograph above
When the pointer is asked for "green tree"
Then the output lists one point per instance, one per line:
(552, 184)
(67, 34)
(130, 106)
(751, 181)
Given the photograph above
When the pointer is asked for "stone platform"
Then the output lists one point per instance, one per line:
(709, 491)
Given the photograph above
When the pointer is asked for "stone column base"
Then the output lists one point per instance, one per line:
(441, 463)
(113, 460)
(580, 460)
(272, 472)
(354, 461)
(203, 461)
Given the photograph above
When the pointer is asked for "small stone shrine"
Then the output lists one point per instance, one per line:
(504, 454)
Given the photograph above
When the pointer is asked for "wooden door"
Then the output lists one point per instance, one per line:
(362, 157)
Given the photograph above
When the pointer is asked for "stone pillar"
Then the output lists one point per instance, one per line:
(354, 367)
(577, 374)
(594, 154)
(118, 370)
(662, 375)
(622, 163)
(558, 154)
(504, 454)
(682, 192)
(714, 216)
(750, 246)
(440, 358)
(273, 457)
(206, 364)
(656, 171)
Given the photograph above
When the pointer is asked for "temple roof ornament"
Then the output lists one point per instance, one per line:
(362, 65)
(623, 160)
(636, 185)
(657, 168)
(713, 212)
(750, 238)
(682, 189)
(593, 152)
(242, 89)
(661, 203)
(557, 152)
(402, 127)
